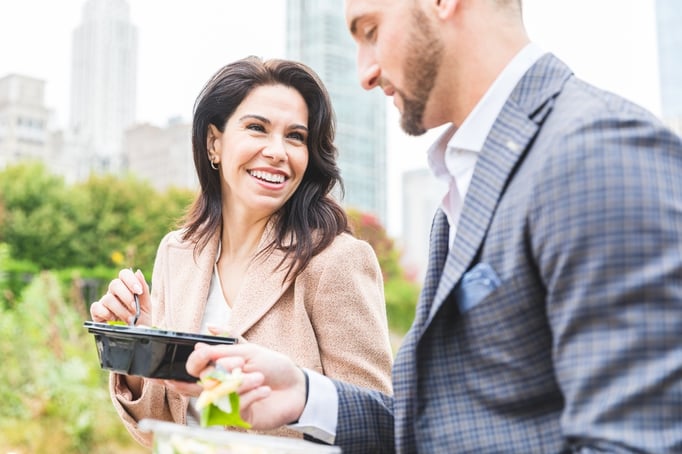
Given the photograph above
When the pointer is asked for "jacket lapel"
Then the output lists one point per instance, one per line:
(262, 287)
(438, 252)
(509, 139)
(189, 288)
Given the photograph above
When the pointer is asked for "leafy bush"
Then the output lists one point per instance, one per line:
(401, 304)
(401, 293)
(53, 391)
(17, 275)
(104, 221)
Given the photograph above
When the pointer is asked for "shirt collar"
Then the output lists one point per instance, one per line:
(471, 135)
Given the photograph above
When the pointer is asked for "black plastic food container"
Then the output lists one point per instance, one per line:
(147, 352)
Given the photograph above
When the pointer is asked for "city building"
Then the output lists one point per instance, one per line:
(317, 36)
(669, 35)
(422, 194)
(103, 84)
(162, 156)
(66, 157)
(23, 120)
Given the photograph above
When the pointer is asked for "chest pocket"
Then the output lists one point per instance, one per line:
(475, 286)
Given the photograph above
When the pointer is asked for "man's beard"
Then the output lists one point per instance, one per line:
(424, 55)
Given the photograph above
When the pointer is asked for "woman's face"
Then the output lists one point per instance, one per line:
(262, 151)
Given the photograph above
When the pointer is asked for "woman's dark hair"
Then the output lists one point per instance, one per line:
(310, 220)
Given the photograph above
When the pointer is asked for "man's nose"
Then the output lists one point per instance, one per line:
(368, 71)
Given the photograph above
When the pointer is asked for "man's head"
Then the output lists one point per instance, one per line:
(436, 58)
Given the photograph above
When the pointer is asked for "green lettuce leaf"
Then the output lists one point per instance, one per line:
(212, 415)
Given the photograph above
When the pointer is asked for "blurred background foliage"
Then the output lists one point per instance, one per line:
(60, 245)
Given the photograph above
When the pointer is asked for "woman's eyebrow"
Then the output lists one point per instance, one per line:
(266, 121)
(256, 117)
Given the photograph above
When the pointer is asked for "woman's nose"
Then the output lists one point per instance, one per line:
(275, 150)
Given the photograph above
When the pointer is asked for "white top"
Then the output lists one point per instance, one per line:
(216, 314)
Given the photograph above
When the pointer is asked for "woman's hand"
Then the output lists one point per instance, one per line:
(273, 389)
(182, 387)
(119, 301)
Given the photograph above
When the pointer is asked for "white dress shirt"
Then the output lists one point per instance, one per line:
(452, 158)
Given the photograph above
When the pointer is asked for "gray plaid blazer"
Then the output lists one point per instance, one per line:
(554, 323)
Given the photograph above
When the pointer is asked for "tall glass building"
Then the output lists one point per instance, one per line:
(669, 34)
(103, 83)
(317, 36)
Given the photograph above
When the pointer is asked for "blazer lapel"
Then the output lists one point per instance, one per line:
(508, 141)
(438, 251)
(189, 288)
(262, 287)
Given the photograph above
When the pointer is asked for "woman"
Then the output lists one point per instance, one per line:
(264, 253)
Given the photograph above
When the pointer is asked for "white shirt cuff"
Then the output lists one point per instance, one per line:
(319, 417)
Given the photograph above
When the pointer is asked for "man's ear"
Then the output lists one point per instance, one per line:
(446, 8)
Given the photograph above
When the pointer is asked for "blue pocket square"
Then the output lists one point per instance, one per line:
(475, 285)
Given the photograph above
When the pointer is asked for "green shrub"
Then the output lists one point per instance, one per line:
(401, 302)
(54, 393)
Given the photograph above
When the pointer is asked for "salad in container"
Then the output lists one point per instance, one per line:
(172, 438)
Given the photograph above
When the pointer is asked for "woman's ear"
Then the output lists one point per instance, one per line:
(212, 141)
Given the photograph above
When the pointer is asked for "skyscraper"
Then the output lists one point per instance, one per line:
(317, 36)
(669, 34)
(23, 119)
(103, 83)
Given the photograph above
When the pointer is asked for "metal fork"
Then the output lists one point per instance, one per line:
(133, 318)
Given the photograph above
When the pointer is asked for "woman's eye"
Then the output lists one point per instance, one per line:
(256, 127)
(296, 136)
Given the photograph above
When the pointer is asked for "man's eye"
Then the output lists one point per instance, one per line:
(370, 33)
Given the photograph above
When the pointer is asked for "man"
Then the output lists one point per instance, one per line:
(551, 313)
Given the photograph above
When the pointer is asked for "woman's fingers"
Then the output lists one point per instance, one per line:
(185, 388)
(131, 281)
(100, 313)
(119, 300)
(144, 287)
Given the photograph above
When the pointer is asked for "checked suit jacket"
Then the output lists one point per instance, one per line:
(554, 321)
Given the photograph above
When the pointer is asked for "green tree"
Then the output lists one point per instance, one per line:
(53, 392)
(163, 215)
(4, 278)
(105, 221)
(121, 220)
(38, 220)
(401, 293)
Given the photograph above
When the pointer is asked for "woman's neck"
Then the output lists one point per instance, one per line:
(240, 237)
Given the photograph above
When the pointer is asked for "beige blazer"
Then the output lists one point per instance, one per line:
(331, 318)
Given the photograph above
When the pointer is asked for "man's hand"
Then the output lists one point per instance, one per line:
(273, 389)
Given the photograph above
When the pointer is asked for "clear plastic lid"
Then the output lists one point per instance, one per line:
(171, 438)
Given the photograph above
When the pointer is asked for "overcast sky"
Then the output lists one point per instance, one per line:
(610, 43)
